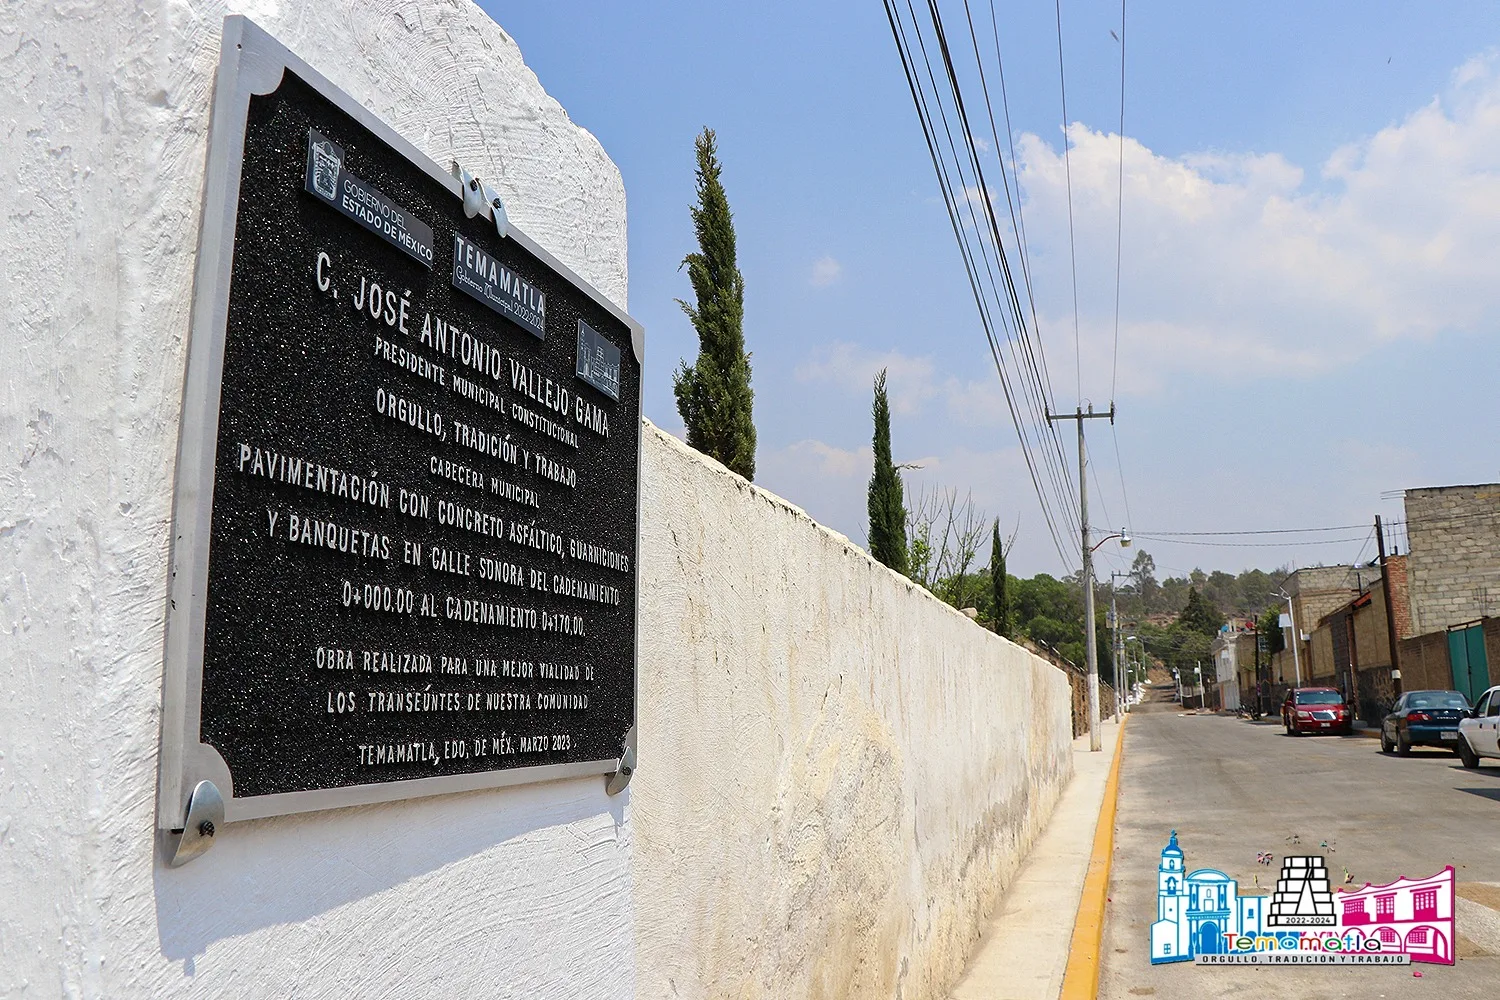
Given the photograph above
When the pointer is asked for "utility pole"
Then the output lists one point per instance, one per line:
(1390, 611)
(1090, 641)
(1122, 699)
(1260, 688)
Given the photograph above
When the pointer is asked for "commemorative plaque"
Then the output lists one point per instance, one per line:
(404, 548)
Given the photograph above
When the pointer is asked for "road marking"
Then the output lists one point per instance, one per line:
(1081, 978)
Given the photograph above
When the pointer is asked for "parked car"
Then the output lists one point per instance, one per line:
(1423, 718)
(1478, 735)
(1316, 710)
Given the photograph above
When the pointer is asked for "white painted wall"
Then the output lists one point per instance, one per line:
(839, 774)
(512, 893)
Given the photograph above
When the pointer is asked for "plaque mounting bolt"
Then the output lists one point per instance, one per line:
(621, 778)
(205, 811)
(479, 199)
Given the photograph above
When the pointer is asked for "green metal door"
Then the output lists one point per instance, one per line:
(1471, 671)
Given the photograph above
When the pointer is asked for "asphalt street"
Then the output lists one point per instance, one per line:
(1233, 789)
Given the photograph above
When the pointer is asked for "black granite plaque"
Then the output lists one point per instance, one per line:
(422, 557)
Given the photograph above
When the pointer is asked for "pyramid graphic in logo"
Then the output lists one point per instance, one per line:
(1303, 897)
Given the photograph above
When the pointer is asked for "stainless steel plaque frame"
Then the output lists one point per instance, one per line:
(252, 62)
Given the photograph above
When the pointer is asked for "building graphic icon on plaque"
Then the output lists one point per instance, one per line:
(328, 160)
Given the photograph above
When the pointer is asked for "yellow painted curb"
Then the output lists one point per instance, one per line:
(1081, 978)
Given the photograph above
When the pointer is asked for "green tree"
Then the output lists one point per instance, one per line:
(1198, 616)
(714, 394)
(887, 511)
(1055, 633)
(1001, 610)
(1270, 628)
(1144, 571)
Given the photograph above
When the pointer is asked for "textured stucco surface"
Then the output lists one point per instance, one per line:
(839, 774)
(521, 892)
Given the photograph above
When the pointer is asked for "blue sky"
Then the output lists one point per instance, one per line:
(1311, 283)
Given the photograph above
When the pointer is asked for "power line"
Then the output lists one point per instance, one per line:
(1034, 359)
(1427, 519)
(1037, 394)
(1250, 545)
(1119, 211)
(1040, 354)
(950, 191)
(1265, 531)
(993, 228)
(1062, 79)
(1103, 504)
(1120, 467)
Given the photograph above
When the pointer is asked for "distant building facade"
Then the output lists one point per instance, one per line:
(1453, 563)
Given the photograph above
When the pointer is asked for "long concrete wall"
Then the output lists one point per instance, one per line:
(839, 773)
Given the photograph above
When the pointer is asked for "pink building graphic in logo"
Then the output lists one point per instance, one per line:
(1414, 916)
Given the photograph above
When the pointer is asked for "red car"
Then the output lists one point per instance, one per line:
(1316, 710)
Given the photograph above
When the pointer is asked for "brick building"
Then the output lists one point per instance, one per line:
(1453, 565)
(1315, 592)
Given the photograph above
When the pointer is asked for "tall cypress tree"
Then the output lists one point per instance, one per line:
(887, 509)
(997, 581)
(714, 394)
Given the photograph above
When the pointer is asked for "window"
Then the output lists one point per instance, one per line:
(1494, 708)
(1385, 907)
(1425, 901)
(1436, 699)
(1355, 912)
(1479, 709)
(1418, 935)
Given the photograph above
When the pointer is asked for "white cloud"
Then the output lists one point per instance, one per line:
(826, 481)
(909, 380)
(913, 382)
(1239, 262)
(830, 484)
(825, 271)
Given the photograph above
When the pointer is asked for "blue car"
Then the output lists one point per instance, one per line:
(1423, 718)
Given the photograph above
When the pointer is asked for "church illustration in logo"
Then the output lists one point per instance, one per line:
(1195, 910)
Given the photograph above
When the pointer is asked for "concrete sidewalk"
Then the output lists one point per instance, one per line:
(1023, 951)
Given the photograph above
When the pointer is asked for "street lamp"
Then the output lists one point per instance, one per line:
(1296, 636)
(1124, 537)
